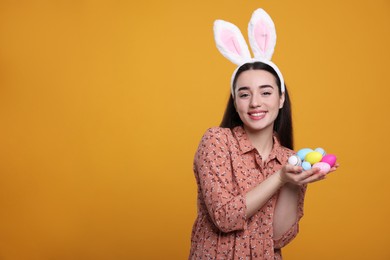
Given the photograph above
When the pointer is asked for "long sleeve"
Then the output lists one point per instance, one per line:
(212, 165)
(290, 234)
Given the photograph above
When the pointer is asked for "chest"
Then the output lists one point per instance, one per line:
(250, 169)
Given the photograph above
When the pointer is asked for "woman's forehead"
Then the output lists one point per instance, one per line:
(250, 78)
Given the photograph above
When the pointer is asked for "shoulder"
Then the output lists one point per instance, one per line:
(289, 152)
(217, 132)
(282, 152)
(216, 136)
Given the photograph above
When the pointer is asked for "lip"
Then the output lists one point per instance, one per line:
(257, 114)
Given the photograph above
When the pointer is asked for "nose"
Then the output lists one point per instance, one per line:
(255, 101)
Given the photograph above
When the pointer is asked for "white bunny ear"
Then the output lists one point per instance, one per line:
(262, 35)
(230, 42)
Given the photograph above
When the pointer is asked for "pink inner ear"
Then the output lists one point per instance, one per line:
(262, 35)
(230, 41)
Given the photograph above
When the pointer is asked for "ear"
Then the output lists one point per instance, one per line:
(230, 42)
(262, 35)
(282, 98)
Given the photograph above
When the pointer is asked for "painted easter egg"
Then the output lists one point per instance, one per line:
(313, 157)
(306, 166)
(320, 150)
(303, 152)
(323, 166)
(294, 160)
(329, 159)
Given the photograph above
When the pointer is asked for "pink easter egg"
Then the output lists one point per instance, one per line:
(323, 166)
(329, 159)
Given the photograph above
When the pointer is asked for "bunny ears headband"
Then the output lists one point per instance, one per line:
(262, 39)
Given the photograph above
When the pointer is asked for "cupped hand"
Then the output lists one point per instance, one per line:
(296, 175)
(334, 168)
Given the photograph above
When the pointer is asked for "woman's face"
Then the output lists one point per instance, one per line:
(257, 99)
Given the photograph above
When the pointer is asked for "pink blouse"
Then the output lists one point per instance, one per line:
(226, 167)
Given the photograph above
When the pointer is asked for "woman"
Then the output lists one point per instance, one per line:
(249, 199)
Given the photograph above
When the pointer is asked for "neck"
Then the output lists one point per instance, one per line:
(261, 140)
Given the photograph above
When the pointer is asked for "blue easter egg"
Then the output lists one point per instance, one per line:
(303, 152)
(320, 150)
(306, 166)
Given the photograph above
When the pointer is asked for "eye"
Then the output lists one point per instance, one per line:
(243, 95)
(266, 93)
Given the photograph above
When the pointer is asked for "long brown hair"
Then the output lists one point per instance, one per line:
(283, 123)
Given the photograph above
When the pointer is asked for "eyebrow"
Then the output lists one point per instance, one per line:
(261, 86)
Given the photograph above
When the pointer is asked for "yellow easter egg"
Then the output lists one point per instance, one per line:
(313, 157)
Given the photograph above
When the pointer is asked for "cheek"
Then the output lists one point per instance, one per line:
(240, 106)
(277, 102)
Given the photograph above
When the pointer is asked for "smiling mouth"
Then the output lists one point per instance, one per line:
(257, 115)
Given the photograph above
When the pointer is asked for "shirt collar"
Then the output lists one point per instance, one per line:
(246, 146)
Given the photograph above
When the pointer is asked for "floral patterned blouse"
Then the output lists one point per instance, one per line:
(226, 167)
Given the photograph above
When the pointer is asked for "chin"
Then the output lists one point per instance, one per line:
(258, 128)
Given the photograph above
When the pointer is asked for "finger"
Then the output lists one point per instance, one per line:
(307, 174)
(313, 178)
(293, 169)
(334, 168)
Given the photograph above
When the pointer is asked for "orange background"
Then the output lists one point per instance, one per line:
(103, 103)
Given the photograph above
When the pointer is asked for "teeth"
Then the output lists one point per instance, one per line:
(258, 114)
